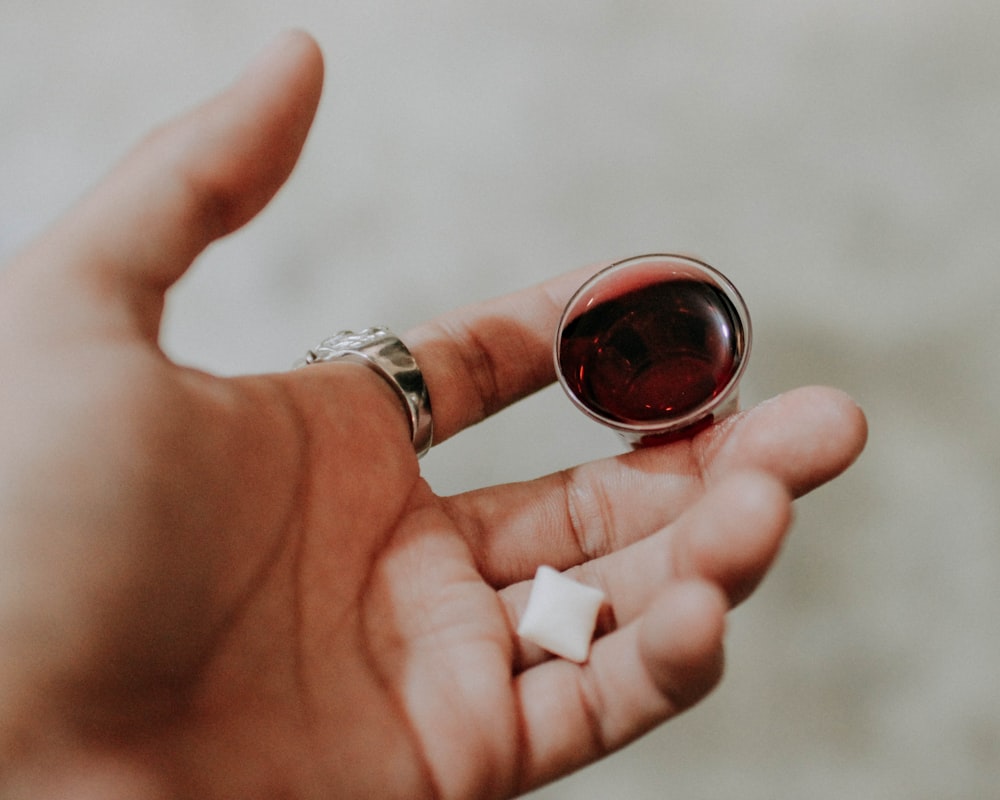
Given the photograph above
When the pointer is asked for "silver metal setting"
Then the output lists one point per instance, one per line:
(381, 351)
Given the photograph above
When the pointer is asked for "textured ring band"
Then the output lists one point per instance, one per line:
(381, 350)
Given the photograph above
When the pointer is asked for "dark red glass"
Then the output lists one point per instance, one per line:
(653, 345)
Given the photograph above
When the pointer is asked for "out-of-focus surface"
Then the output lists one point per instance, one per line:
(839, 159)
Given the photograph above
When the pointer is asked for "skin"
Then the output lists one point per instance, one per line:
(242, 587)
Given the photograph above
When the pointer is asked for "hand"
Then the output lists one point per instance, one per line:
(221, 588)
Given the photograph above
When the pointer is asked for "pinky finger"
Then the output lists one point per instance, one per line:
(637, 677)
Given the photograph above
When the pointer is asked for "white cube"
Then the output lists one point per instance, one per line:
(561, 615)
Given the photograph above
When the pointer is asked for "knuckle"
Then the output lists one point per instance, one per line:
(477, 365)
(594, 708)
(588, 513)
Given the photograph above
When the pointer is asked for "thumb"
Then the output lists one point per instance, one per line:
(187, 184)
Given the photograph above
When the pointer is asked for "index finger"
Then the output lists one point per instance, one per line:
(481, 358)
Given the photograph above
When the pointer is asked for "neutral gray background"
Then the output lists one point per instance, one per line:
(839, 159)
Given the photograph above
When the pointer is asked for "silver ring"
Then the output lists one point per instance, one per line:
(382, 351)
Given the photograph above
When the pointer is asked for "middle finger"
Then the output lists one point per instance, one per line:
(729, 538)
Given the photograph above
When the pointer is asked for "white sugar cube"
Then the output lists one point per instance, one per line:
(561, 615)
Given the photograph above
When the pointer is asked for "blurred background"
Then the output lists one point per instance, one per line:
(838, 159)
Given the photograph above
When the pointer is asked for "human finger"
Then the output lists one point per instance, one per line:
(483, 357)
(636, 678)
(801, 438)
(729, 538)
(804, 438)
(190, 182)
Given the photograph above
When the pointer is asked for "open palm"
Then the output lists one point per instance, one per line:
(244, 588)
